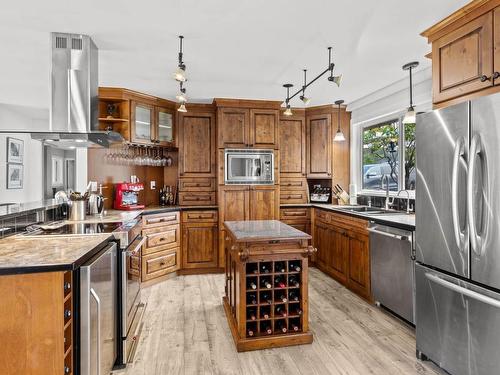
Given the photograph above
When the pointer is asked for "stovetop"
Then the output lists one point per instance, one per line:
(78, 229)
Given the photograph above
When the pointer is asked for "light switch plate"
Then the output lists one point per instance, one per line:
(153, 185)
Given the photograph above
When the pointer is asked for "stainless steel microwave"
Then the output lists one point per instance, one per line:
(249, 167)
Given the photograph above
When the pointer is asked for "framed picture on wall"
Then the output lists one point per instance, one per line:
(15, 150)
(14, 176)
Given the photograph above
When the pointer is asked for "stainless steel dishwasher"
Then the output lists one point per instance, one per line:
(393, 269)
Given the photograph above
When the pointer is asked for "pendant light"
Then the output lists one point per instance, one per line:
(304, 99)
(180, 73)
(288, 110)
(181, 97)
(410, 117)
(182, 108)
(339, 136)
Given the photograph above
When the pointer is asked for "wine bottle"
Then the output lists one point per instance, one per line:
(265, 314)
(266, 297)
(251, 314)
(252, 285)
(280, 310)
(281, 326)
(267, 329)
(297, 311)
(266, 284)
(279, 282)
(264, 268)
(294, 327)
(282, 297)
(294, 266)
(250, 333)
(293, 296)
(252, 299)
(279, 267)
(292, 281)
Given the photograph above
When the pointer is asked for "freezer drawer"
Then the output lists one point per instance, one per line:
(458, 323)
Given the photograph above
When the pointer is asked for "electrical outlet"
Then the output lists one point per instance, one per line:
(153, 185)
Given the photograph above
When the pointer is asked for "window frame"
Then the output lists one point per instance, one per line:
(401, 158)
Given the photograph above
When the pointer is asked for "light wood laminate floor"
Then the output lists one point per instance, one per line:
(186, 332)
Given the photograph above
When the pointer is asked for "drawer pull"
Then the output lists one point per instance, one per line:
(162, 239)
(484, 78)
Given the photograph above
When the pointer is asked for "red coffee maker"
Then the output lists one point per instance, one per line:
(126, 196)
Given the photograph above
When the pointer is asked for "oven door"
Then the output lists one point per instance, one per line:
(131, 285)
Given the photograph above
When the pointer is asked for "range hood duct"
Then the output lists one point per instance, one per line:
(74, 100)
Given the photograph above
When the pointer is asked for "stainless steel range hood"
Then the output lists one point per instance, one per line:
(74, 101)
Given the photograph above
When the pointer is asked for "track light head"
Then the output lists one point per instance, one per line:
(288, 111)
(336, 79)
(305, 100)
(182, 108)
(180, 73)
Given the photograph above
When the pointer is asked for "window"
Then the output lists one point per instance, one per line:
(381, 156)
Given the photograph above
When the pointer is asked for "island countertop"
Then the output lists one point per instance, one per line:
(263, 230)
(62, 253)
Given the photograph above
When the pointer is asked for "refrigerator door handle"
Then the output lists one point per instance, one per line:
(464, 291)
(461, 237)
(475, 239)
(98, 352)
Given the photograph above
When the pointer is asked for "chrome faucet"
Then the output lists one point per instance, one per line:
(407, 199)
(388, 200)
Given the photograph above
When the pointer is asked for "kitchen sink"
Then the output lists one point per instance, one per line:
(371, 210)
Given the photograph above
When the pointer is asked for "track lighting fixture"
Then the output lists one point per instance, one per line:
(335, 79)
(288, 110)
(339, 136)
(182, 108)
(304, 99)
(410, 117)
(180, 73)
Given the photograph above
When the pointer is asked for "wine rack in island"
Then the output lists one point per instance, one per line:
(266, 285)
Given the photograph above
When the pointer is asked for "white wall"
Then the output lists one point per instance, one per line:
(33, 171)
(387, 103)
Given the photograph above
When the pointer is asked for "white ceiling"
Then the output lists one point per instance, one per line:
(238, 49)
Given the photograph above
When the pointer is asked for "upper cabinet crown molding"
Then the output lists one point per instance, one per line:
(247, 103)
(124, 94)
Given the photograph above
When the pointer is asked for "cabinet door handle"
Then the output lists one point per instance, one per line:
(484, 78)
(496, 75)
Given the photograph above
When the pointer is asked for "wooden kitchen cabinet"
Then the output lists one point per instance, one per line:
(319, 146)
(199, 245)
(264, 128)
(343, 250)
(244, 127)
(264, 202)
(466, 53)
(233, 127)
(142, 123)
(234, 203)
(164, 131)
(196, 144)
(292, 135)
(37, 323)
(239, 203)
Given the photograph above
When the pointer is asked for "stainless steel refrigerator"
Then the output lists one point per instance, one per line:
(458, 237)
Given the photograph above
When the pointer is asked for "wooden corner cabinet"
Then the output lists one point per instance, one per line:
(466, 53)
(343, 250)
(319, 146)
(37, 323)
(140, 118)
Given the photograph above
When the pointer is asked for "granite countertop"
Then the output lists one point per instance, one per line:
(263, 230)
(17, 208)
(399, 220)
(20, 254)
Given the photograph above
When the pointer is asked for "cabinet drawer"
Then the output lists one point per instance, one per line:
(160, 264)
(295, 214)
(135, 263)
(158, 220)
(197, 198)
(199, 216)
(292, 196)
(293, 184)
(322, 215)
(164, 237)
(197, 184)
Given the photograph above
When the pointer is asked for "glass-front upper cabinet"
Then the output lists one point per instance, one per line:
(164, 126)
(142, 123)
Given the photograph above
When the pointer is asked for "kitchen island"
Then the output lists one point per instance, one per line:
(266, 300)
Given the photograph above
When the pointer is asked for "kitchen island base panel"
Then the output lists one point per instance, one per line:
(268, 342)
